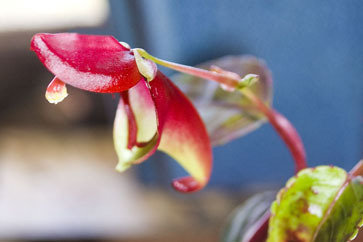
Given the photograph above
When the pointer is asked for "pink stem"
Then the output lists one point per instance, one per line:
(285, 129)
(205, 74)
(357, 169)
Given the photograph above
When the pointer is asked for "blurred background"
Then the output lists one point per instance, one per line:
(57, 178)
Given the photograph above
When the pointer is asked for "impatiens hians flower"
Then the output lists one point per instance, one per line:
(152, 112)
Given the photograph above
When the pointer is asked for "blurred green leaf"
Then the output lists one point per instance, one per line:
(228, 115)
(244, 217)
(319, 204)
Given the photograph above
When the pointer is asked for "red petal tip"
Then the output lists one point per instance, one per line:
(186, 184)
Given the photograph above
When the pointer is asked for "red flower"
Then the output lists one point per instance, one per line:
(152, 114)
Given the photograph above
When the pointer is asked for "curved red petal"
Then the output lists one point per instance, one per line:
(180, 131)
(183, 134)
(90, 62)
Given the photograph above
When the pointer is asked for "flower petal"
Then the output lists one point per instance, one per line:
(89, 62)
(180, 131)
(183, 134)
(135, 123)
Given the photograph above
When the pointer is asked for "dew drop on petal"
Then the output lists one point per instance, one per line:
(56, 91)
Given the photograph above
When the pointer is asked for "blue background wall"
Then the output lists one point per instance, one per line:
(314, 50)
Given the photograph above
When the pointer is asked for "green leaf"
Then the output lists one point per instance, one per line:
(228, 115)
(346, 216)
(319, 204)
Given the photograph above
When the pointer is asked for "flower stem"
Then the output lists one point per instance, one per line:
(205, 74)
(357, 169)
(283, 127)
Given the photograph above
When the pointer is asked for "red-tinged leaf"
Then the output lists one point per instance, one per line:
(90, 62)
(228, 115)
(249, 221)
(320, 204)
(341, 194)
(180, 131)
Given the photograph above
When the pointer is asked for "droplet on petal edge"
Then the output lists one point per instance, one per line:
(186, 184)
(56, 91)
(147, 68)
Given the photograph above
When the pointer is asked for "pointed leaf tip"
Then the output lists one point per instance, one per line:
(186, 184)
